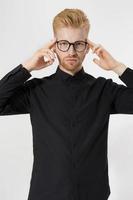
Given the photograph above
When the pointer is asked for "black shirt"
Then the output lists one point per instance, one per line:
(69, 117)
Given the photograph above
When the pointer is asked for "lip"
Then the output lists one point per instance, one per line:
(71, 60)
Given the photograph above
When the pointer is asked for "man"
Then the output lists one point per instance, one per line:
(69, 112)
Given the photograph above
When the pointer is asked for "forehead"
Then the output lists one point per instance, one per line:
(71, 34)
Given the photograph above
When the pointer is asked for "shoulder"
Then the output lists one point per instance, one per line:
(35, 82)
(103, 84)
(97, 80)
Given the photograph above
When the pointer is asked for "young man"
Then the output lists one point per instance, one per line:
(69, 112)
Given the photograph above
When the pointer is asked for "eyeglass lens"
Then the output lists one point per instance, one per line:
(78, 45)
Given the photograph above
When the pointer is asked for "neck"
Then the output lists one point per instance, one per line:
(70, 71)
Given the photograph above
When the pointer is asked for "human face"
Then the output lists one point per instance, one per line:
(71, 34)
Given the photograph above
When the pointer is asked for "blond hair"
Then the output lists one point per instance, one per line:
(74, 18)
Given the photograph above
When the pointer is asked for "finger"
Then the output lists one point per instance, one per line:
(91, 44)
(98, 51)
(53, 49)
(50, 44)
(47, 58)
(48, 63)
(51, 53)
(95, 60)
(96, 47)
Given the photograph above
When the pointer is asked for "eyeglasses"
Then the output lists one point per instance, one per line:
(64, 45)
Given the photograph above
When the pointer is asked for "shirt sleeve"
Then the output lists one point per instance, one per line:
(122, 96)
(14, 92)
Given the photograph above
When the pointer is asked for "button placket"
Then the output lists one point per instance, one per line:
(73, 124)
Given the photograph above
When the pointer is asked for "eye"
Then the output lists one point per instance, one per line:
(63, 43)
(79, 44)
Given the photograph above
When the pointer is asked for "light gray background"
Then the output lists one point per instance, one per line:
(25, 26)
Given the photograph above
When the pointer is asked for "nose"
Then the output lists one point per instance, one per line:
(71, 50)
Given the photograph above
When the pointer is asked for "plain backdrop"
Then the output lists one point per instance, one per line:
(25, 26)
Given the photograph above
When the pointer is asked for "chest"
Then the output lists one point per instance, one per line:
(62, 102)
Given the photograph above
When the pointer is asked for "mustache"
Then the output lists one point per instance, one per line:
(71, 57)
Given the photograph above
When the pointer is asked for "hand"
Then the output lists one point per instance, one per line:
(42, 57)
(106, 60)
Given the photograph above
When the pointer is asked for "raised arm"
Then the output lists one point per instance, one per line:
(120, 96)
(14, 87)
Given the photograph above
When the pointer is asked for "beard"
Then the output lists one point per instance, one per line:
(70, 65)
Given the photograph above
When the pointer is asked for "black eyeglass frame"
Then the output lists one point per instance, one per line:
(72, 43)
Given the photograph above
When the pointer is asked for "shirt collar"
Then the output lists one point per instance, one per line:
(66, 76)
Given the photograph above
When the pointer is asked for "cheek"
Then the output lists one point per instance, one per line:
(84, 55)
(81, 57)
(60, 55)
(57, 53)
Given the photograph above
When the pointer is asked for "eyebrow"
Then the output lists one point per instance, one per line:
(85, 40)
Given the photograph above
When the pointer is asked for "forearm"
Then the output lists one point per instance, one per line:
(27, 65)
(120, 68)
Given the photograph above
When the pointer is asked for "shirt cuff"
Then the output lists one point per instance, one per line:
(127, 77)
(19, 74)
(25, 70)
